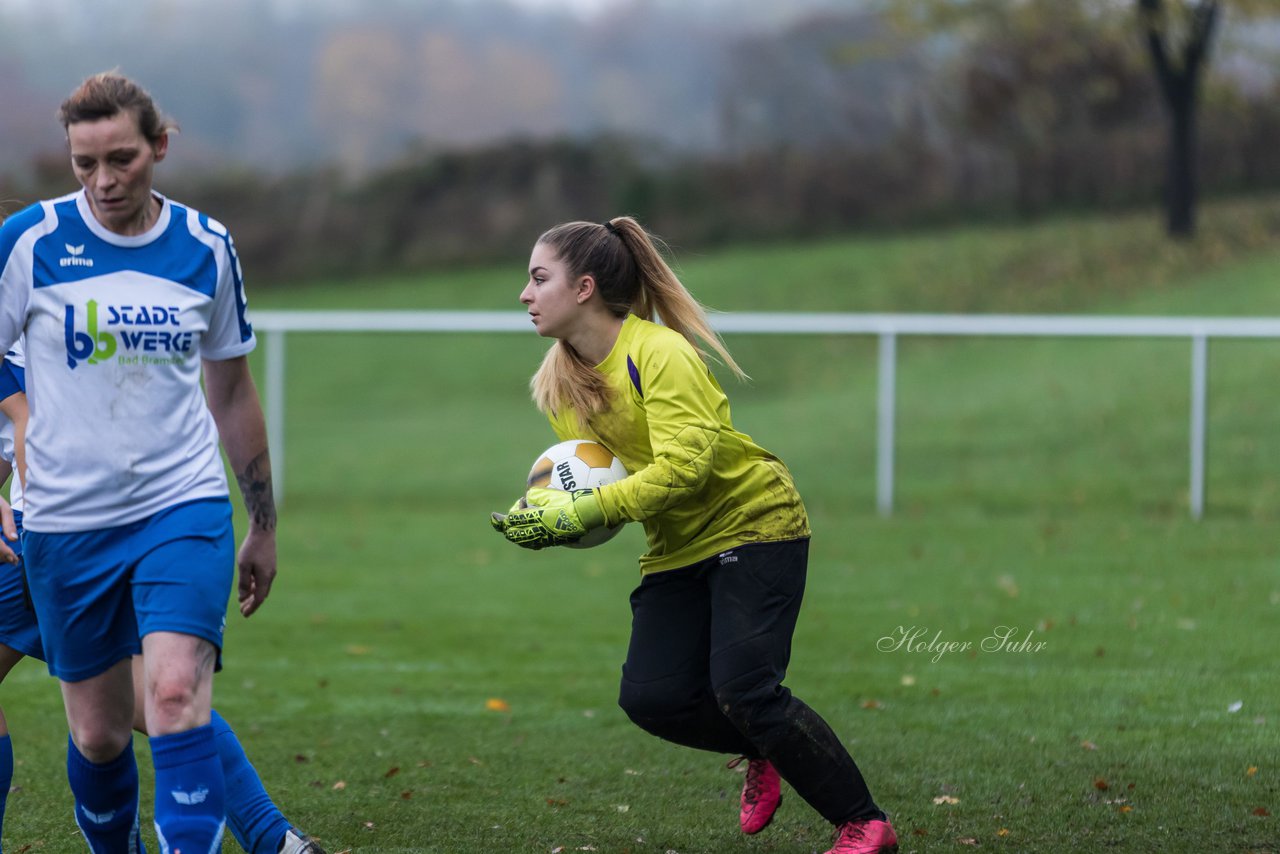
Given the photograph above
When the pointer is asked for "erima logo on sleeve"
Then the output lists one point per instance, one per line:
(75, 257)
(143, 331)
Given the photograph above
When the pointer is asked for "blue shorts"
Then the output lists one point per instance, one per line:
(18, 628)
(98, 593)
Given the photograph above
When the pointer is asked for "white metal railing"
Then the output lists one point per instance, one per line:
(887, 327)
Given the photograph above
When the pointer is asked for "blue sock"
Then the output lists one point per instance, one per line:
(253, 818)
(106, 798)
(190, 803)
(6, 773)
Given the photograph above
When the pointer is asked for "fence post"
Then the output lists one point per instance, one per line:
(275, 410)
(1199, 420)
(885, 406)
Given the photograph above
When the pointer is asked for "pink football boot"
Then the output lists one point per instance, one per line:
(870, 836)
(761, 794)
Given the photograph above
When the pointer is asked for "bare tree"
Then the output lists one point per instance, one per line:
(1178, 40)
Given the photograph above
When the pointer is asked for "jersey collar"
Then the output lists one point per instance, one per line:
(103, 233)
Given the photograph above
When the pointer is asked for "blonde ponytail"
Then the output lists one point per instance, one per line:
(632, 277)
(663, 296)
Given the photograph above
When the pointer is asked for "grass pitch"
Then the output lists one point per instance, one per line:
(416, 684)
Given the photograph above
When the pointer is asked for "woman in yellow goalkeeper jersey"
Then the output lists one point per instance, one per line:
(722, 581)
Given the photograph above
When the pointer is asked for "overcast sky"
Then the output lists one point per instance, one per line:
(779, 10)
(293, 6)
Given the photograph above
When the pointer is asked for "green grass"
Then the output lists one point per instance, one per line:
(1042, 485)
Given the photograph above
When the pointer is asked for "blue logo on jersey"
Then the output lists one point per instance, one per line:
(138, 335)
(93, 345)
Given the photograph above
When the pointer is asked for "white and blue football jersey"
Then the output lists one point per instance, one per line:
(114, 332)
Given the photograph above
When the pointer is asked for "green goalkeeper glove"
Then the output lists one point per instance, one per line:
(550, 517)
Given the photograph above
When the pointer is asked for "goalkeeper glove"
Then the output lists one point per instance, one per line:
(550, 517)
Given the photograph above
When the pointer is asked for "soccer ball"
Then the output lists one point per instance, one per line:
(579, 464)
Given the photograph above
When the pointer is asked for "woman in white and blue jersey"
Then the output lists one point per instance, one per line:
(125, 300)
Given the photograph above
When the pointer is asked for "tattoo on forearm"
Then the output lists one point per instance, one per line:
(255, 486)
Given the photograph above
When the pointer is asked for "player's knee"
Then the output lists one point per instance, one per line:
(745, 699)
(99, 741)
(648, 702)
(171, 706)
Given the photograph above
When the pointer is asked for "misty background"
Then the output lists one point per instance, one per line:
(287, 84)
(338, 137)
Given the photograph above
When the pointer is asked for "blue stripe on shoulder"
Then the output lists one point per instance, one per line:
(635, 376)
(15, 226)
(216, 228)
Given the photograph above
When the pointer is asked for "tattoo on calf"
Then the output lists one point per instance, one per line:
(255, 486)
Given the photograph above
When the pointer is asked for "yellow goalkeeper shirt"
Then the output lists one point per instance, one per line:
(699, 486)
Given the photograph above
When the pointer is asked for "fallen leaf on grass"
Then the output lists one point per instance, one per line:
(494, 704)
(1088, 745)
(1008, 585)
(1004, 831)
(1100, 784)
(1262, 812)
(967, 840)
(920, 831)
(406, 795)
(872, 704)
(1253, 769)
(391, 772)
(946, 799)
(1126, 808)
(359, 649)
(622, 807)
(300, 758)
(368, 825)
(557, 802)
(340, 785)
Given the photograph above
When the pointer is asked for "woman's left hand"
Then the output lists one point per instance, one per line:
(549, 517)
(257, 562)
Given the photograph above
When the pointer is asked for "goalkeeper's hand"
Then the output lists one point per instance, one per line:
(552, 517)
